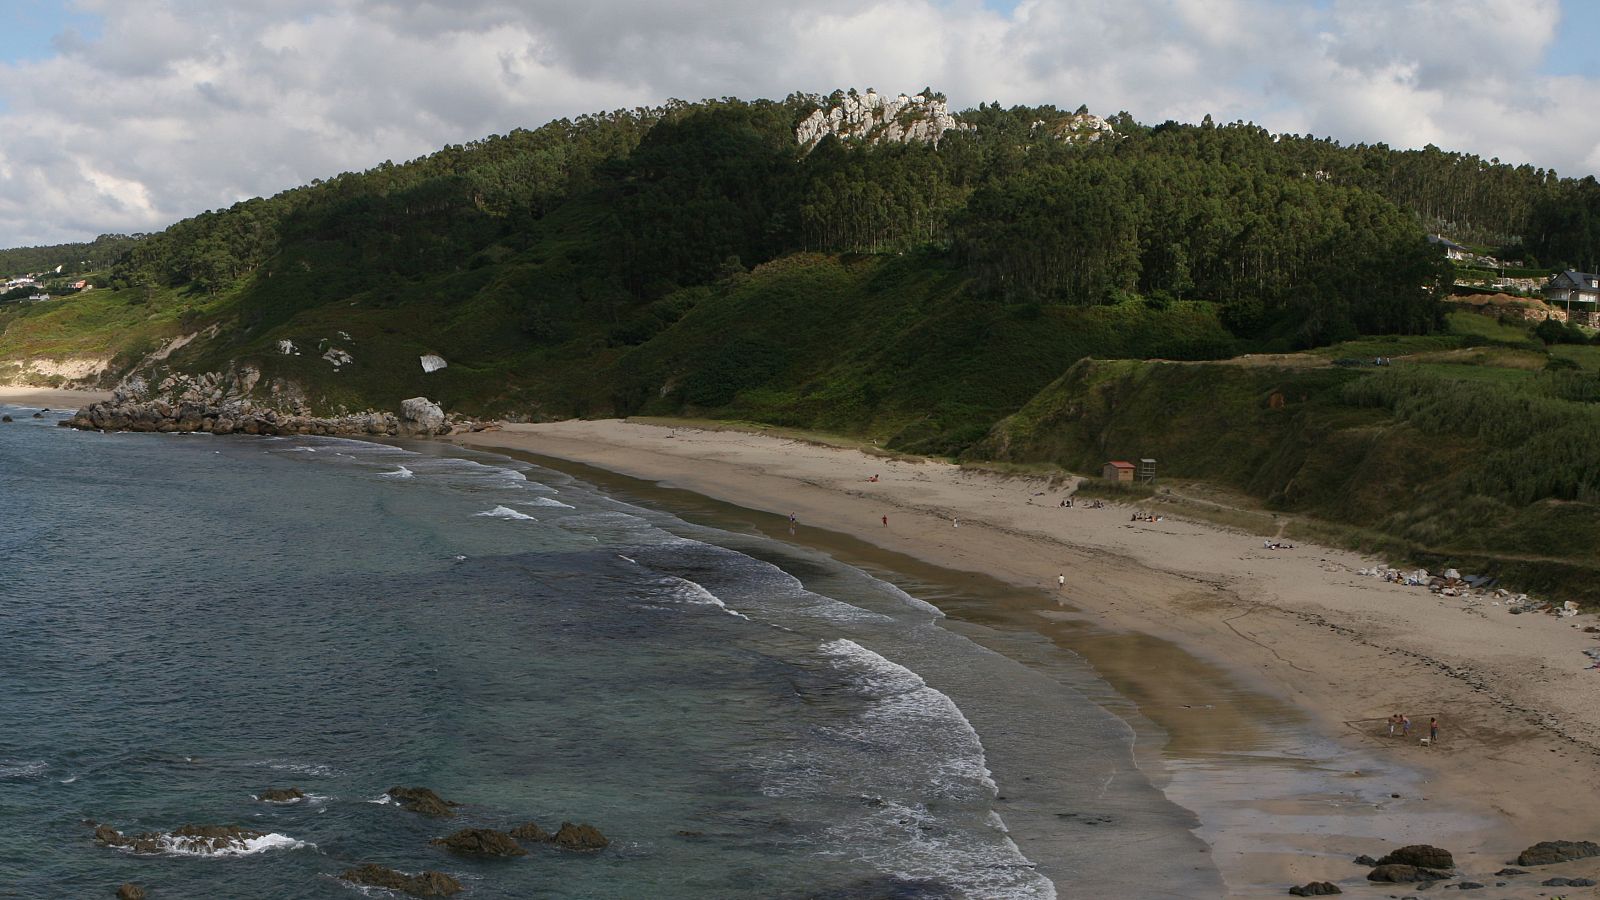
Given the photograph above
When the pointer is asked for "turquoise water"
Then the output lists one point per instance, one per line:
(188, 620)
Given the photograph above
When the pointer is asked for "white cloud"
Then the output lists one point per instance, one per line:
(176, 106)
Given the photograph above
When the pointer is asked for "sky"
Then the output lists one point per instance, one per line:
(127, 115)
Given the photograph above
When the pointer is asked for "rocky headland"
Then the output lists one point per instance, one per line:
(218, 403)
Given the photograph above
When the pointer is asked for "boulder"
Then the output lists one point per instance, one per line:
(279, 795)
(1364, 860)
(1559, 881)
(584, 838)
(422, 800)
(1547, 853)
(483, 843)
(1420, 855)
(422, 884)
(531, 832)
(1508, 872)
(5, 418)
(1315, 889)
(130, 891)
(1400, 873)
(421, 415)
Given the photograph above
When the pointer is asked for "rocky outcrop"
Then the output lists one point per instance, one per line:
(422, 800)
(1420, 855)
(1315, 889)
(876, 119)
(130, 891)
(198, 839)
(1082, 127)
(531, 833)
(422, 416)
(482, 843)
(1547, 853)
(583, 838)
(1400, 873)
(223, 404)
(280, 795)
(422, 884)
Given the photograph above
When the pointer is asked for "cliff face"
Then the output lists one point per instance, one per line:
(874, 118)
(1078, 128)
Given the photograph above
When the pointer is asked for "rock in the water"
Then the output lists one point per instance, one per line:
(1421, 855)
(422, 415)
(579, 837)
(422, 884)
(1559, 881)
(531, 832)
(1547, 853)
(1364, 860)
(5, 418)
(1400, 873)
(422, 800)
(38, 415)
(1316, 889)
(130, 891)
(279, 795)
(1508, 872)
(197, 839)
(480, 842)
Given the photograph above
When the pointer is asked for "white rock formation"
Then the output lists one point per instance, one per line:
(433, 363)
(338, 357)
(422, 414)
(287, 348)
(1078, 128)
(873, 118)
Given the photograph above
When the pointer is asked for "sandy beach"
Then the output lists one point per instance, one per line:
(1258, 681)
(51, 398)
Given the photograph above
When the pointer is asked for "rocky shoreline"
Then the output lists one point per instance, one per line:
(214, 403)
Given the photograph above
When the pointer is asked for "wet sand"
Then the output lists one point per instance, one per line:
(1257, 682)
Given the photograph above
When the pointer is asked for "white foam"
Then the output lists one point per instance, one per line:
(174, 845)
(317, 769)
(550, 501)
(911, 601)
(68, 780)
(26, 769)
(302, 449)
(506, 512)
(401, 472)
(690, 592)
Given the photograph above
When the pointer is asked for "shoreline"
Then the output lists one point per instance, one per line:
(49, 398)
(1264, 676)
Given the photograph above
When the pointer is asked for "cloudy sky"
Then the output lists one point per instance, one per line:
(126, 115)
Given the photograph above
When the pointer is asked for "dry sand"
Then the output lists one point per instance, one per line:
(1259, 680)
(52, 398)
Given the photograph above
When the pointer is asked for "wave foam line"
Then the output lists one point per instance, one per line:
(401, 472)
(506, 512)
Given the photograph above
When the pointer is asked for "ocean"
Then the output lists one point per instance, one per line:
(189, 620)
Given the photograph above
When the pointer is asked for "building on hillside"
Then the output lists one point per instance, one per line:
(1118, 470)
(1568, 288)
(80, 285)
(1452, 250)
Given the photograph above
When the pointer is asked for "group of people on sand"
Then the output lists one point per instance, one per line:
(1276, 545)
(1092, 504)
(1145, 517)
(1402, 723)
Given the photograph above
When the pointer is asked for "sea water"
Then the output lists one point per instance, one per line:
(188, 620)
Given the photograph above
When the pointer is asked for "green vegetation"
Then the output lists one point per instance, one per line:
(74, 259)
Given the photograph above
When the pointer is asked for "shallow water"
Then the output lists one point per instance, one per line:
(189, 620)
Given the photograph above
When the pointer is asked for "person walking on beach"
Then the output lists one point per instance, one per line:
(1061, 580)
(1433, 730)
(1393, 721)
(1405, 726)
(886, 521)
